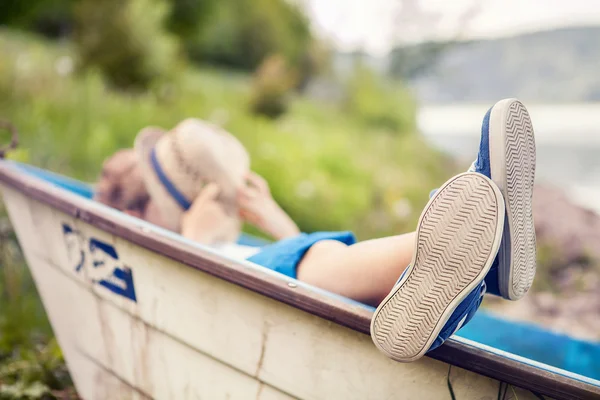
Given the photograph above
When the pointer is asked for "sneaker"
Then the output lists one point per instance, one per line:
(458, 237)
(507, 156)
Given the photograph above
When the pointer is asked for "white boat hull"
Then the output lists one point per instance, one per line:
(140, 325)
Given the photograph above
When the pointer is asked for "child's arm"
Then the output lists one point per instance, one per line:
(258, 208)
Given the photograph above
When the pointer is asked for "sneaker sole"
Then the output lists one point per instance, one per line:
(512, 164)
(458, 237)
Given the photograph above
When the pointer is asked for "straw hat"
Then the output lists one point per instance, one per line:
(177, 164)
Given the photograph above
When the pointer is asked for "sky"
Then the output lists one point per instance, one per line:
(374, 25)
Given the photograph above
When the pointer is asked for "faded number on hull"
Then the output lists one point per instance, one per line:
(100, 261)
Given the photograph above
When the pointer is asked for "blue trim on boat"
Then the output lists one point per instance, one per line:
(532, 342)
(87, 191)
(63, 182)
(544, 349)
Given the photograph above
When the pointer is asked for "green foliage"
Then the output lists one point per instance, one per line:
(51, 17)
(241, 33)
(38, 373)
(125, 40)
(378, 103)
(22, 317)
(17, 12)
(187, 16)
(271, 87)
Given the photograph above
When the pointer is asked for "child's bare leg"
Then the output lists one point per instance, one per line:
(365, 271)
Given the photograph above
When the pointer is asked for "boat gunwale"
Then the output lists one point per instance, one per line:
(453, 352)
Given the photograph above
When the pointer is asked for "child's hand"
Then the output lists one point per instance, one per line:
(206, 221)
(258, 208)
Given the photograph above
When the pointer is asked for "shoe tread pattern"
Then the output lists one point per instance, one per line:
(454, 244)
(520, 176)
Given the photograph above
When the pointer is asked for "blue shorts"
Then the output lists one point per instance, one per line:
(283, 256)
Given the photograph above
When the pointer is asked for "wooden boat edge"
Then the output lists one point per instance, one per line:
(288, 291)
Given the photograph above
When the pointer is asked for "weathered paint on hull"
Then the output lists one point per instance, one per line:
(185, 334)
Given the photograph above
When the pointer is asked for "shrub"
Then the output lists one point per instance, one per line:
(272, 84)
(51, 18)
(242, 33)
(125, 40)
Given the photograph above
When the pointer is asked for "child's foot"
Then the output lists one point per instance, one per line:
(507, 157)
(458, 237)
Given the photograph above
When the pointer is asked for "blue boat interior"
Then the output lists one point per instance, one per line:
(532, 344)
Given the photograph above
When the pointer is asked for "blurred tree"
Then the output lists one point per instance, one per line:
(188, 16)
(231, 33)
(125, 40)
(271, 87)
(241, 33)
(50, 17)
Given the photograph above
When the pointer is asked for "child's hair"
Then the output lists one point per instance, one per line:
(121, 185)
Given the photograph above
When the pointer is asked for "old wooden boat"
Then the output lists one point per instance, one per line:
(140, 312)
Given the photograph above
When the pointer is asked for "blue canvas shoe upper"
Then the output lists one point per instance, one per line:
(482, 163)
(462, 313)
(482, 166)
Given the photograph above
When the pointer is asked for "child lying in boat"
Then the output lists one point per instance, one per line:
(476, 234)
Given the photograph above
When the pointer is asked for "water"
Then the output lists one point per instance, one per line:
(567, 138)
